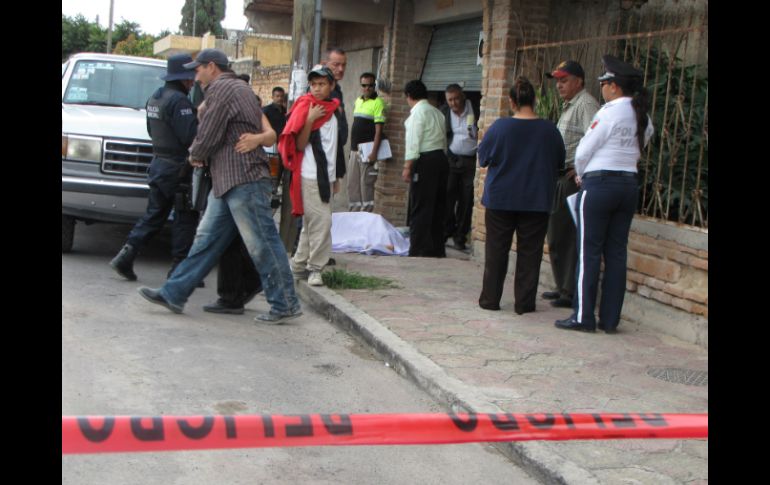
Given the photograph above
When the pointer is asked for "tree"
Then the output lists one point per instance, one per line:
(133, 46)
(208, 17)
(122, 30)
(80, 35)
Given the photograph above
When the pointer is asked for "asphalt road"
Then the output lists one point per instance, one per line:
(124, 356)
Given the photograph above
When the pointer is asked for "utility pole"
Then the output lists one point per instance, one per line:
(109, 29)
(195, 15)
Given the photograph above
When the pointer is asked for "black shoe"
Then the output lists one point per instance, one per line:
(123, 263)
(551, 295)
(221, 306)
(562, 303)
(522, 311)
(607, 330)
(154, 297)
(572, 324)
(489, 307)
(460, 246)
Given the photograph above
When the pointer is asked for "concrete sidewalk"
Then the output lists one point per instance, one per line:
(432, 330)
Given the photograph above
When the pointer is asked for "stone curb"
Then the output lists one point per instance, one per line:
(539, 459)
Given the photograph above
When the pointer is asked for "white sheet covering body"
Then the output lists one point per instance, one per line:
(366, 233)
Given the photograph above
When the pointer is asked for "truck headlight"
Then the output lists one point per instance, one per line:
(81, 148)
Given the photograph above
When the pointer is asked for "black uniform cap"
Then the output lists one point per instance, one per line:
(614, 67)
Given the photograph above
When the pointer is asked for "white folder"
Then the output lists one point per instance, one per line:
(364, 149)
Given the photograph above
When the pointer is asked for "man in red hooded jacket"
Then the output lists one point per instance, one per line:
(308, 147)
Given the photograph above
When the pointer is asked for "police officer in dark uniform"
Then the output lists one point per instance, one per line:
(605, 162)
(172, 124)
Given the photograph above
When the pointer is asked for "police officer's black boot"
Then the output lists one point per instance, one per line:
(123, 263)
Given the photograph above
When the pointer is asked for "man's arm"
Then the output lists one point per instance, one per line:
(250, 141)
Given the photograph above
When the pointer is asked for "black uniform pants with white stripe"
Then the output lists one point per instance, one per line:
(605, 208)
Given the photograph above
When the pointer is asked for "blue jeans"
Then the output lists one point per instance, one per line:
(244, 209)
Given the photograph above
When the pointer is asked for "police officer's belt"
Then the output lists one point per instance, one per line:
(608, 173)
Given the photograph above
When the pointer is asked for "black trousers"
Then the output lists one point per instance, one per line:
(460, 200)
(605, 209)
(237, 278)
(561, 238)
(164, 180)
(427, 205)
(530, 229)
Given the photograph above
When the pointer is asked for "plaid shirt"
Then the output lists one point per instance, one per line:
(574, 121)
(231, 111)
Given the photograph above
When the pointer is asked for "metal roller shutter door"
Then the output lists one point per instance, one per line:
(452, 56)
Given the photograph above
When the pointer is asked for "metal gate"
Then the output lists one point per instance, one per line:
(674, 168)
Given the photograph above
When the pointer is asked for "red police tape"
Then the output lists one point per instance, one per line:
(110, 434)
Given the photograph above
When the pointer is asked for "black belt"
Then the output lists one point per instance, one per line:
(608, 173)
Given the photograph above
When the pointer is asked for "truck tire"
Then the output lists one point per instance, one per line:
(67, 233)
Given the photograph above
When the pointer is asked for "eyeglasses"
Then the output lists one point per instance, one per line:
(367, 85)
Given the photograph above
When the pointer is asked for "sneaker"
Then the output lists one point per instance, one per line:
(221, 306)
(275, 318)
(315, 279)
(153, 296)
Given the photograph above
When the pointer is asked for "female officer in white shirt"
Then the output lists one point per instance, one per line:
(605, 162)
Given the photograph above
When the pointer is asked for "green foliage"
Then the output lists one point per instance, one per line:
(210, 14)
(133, 46)
(344, 280)
(81, 35)
(681, 134)
(548, 104)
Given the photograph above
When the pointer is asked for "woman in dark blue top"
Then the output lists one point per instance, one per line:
(524, 155)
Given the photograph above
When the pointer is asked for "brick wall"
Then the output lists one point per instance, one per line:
(409, 48)
(667, 264)
(264, 79)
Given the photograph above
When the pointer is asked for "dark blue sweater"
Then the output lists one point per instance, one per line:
(523, 159)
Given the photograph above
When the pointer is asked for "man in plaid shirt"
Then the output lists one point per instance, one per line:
(578, 110)
(240, 199)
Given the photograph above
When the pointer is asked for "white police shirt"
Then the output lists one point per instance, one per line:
(610, 142)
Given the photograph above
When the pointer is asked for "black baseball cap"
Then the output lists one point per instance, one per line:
(565, 69)
(209, 55)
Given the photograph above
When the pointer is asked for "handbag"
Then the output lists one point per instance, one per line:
(201, 186)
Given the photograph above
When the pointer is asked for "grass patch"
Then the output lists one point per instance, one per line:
(339, 279)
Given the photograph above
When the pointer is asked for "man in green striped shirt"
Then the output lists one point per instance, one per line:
(426, 170)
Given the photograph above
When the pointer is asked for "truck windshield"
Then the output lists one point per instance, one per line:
(107, 83)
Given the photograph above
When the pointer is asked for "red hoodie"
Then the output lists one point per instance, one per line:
(287, 143)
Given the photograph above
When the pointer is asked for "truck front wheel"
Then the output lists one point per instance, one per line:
(67, 233)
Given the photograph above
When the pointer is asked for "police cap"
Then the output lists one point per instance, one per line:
(175, 68)
(614, 67)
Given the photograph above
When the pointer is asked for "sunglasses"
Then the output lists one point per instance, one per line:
(367, 85)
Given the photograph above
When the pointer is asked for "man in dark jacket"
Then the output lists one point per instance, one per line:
(172, 125)
(462, 133)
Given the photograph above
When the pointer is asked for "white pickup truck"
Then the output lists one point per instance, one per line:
(105, 151)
